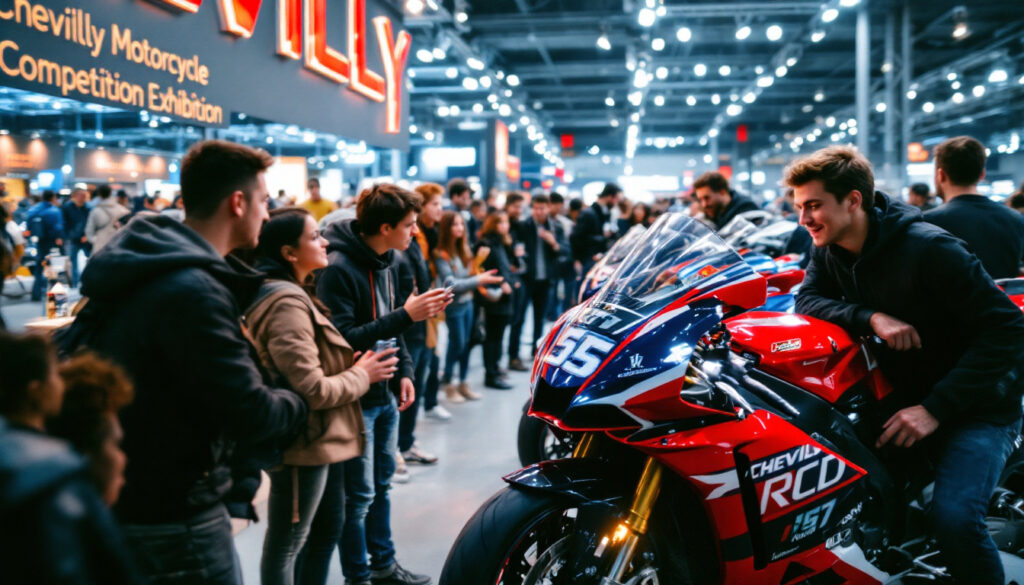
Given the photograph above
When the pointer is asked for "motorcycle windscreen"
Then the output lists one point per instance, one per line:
(599, 273)
(631, 342)
(737, 231)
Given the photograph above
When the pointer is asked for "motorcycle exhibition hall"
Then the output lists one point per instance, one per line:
(660, 293)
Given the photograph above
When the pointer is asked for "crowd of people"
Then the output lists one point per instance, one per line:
(225, 338)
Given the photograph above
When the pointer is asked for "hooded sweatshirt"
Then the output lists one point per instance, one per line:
(972, 335)
(737, 204)
(167, 307)
(56, 528)
(360, 288)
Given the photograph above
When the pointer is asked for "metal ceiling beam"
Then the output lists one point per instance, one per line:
(510, 21)
(585, 37)
(828, 60)
(600, 90)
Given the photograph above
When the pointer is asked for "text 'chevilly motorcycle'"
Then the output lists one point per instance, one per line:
(719, 445)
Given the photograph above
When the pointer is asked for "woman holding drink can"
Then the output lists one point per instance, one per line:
(302, 349)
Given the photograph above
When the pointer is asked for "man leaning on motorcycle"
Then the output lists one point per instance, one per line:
(955, 342)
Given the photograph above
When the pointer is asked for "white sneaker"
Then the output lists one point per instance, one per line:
(438, 413)
(401, 474)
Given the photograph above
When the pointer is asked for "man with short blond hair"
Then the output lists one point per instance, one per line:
(955, 341)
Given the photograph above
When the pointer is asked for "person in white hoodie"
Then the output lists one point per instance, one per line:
(104, 219)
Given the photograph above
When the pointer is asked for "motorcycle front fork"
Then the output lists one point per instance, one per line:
(628, 532)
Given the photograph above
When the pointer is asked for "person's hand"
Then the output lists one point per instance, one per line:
(505, 288)
(547, 236)
(59, 241)
(490, 278)
(517, 285)
(422, 307)
(378, 366)
(84, 239)
(407, 394)
(908, 426)
(577, 266)
(897, 334)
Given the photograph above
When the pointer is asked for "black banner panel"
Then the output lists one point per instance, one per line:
(334, 66)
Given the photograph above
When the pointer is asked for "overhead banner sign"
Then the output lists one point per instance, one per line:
(337, 69)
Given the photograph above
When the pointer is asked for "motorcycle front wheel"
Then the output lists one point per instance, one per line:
(519, 538)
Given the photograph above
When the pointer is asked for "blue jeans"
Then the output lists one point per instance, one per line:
(73, 249)
(39, 283)
(420, 355)
(367, 527)
(459, 319)
(295, 493)
(313, 563)
(199, 551)
(968, 462)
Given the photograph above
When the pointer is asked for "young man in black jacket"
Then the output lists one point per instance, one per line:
(514, 204)
(545, 244)
(719, 203)
(956, 340)
(360, 288)
(994, 232)
(165, 303)
(593, 233)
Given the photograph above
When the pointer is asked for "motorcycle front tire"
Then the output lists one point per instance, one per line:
(482, 550)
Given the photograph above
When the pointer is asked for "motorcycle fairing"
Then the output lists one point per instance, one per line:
(611, 353)
(816, 355)
(775, 496)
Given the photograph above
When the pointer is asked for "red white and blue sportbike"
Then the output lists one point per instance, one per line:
(720, 445)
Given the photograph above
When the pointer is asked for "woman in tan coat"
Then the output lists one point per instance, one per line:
(302, 350)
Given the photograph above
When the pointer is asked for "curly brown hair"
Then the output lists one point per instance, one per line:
(95, 388)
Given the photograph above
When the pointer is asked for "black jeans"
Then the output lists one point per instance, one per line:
(494, 326)
(198, 551)
(520, 300)
(313, 563)
(295, 494)
(539, 293)
(421, 356)
(433, 381)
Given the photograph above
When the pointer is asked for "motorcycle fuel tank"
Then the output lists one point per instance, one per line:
(815, 355)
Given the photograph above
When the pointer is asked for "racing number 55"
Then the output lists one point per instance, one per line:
(578, 352)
